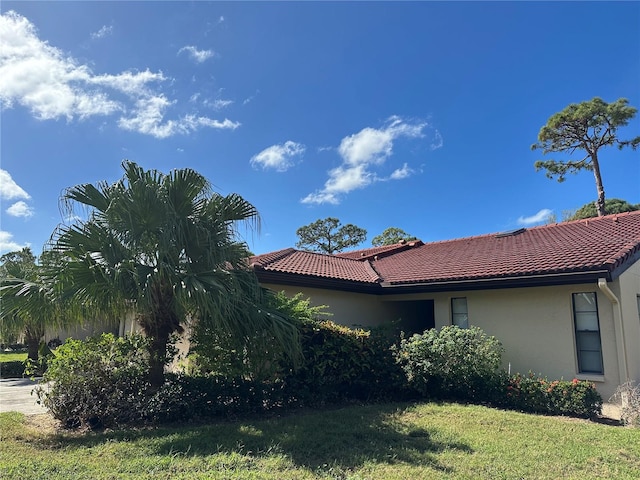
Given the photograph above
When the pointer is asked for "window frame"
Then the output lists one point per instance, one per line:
(455, 315)
(581, 335)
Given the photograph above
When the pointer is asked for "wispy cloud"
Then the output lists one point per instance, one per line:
(20, 209)
(539, 217)
(217, 104)
(250, 98)
(7, 244)
(103, 32)
(9, 189)
(401, 173)
(279, 157)
(363, 153)
(52, 85)
(198, 56)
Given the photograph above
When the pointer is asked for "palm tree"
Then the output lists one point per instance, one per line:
(27, 300)
(165, 247)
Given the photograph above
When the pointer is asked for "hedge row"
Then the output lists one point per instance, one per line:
(102, 381)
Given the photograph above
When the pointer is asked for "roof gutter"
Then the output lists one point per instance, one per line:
(495, 283)
(619, 329)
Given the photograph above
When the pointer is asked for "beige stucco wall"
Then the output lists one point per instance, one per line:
(79, 332)
(351, 309)
(535, 324)
(627, 289)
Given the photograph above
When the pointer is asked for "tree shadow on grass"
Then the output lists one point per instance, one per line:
(341, 439)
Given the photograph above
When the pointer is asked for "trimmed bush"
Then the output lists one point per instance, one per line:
(13, 369)
(98, 382)
(532, 393)
(188, 398)
(341, 363)
(453, 363)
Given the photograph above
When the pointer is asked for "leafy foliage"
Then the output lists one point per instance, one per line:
(586, 126)
(613, 205)
(255, 356)
(165, 247)
(329, 236)
(101, 381)
(452, 363)
(12, 369)
(344, 364)
(391, 236)
(28, 301)
(532, 393)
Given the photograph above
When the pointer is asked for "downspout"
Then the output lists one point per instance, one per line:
(617, 314)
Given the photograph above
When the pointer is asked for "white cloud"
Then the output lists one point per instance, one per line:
(199, 56)
(20, 209)
(278, 157)
(217, 104)
(103, 32)
(362, 153)
(9, 189)
(401, 173)
(7, 244)
(539, 217)
(321, 197)
(52, 85)
(437, 141)
(149, 114)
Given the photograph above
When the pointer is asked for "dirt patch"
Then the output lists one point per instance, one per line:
(43, 422)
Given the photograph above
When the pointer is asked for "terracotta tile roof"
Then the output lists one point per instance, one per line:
(607, 244)
(579, 246)
(297, 262)
(382, 251)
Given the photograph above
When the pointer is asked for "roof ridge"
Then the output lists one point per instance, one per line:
(374, 273)
(541, 227)
(257, 260)
(586, 220)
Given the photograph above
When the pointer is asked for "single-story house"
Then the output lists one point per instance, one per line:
(564, 299)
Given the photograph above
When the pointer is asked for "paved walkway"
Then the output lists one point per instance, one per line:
(15, 396)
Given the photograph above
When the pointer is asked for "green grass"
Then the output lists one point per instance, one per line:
(391, 441)
(13, 356)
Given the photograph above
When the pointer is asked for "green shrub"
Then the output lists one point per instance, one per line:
(12, 369)
(452, 363)
(536, 394)
(101, 381)
(341, 364)
(255, 357)
(187, 398)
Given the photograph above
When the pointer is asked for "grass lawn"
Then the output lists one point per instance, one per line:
(389, 441)
(13, 356)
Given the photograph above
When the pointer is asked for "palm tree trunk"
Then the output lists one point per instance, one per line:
(158, 355)
(32, 339)
(600, 205)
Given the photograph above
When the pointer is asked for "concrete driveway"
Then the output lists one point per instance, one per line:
(15, 396)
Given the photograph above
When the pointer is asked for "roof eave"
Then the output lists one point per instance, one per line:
(538, 280)
(309, 281)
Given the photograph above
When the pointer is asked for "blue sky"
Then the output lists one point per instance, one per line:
(415, 115)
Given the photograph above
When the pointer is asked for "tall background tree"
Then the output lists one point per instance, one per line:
(390, 236)
(612, 205)
(28, 304)
(329, 236)
(164, 247)
(585, 127)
